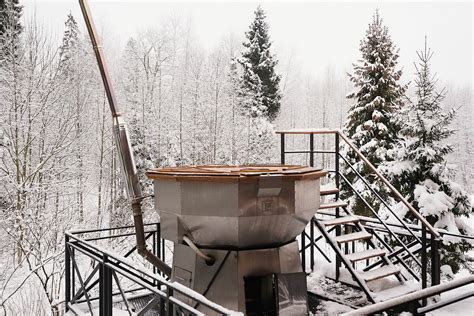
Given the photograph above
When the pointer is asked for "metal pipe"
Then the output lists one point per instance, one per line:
(124, 148)
(209, 259)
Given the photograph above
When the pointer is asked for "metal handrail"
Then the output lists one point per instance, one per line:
(412, 297)
(422, 220)
(423, 224)
(378, 196)
(127, 268)
(390, 186)
(381, 221)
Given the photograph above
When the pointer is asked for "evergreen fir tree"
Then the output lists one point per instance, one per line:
(233, 88)
(10, 13)
(70, 44)
(421, 171)
(260, 83)
(10, 30)
(370, 122)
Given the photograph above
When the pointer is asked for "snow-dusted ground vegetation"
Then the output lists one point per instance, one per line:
(190, 105)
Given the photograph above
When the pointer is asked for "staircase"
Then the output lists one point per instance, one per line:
(365, 247)
(383, 259)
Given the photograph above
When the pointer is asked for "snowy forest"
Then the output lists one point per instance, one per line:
(186, 105)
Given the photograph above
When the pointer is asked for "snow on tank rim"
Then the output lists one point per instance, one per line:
(234, 172)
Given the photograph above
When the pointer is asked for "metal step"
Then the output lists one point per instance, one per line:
(366, 254)
(352, 237)
(341, 220)
(328, 191)
(332, 205)
(379, 273)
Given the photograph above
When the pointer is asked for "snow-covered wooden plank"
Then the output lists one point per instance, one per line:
(328, 190)
(352, 237)
(379, 273)
(332, 205)
(366, 254)
(341, 220)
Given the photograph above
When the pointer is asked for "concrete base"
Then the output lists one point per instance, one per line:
(250, 281)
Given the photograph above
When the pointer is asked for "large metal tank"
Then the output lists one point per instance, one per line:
(246, 219)
(236, 206)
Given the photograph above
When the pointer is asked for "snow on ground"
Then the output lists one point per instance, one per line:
(331, 308)
(320, 285)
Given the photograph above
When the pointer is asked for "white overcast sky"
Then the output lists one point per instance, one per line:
(316, 33)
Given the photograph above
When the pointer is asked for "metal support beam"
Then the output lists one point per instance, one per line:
(282, 148)
(424, 262)
(337, 179)
(67, 262)
(311, 226)
(303, 250)
(105, 288)
(169, 305)
(435, 260)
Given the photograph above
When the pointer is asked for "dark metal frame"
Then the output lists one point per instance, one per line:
(108, 266)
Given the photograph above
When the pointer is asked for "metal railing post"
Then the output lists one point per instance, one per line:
(303, 250)
(282, 148)
(158, 243)
(73, 276)
(435, 260)
(105, 288)
(163, 251)
(162, 306)
(154, 246)
(337, 181)
(311, 226)
(158, 239)
(169, 304)
(67, 261)
(424, 260)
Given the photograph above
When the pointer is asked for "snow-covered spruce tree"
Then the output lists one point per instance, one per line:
(12, 74)
(68, 52)
(259, 79)
(258, 93)
(371, 123)
(233, 86)
(421, 171)
(72, 72)
(10, 26)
